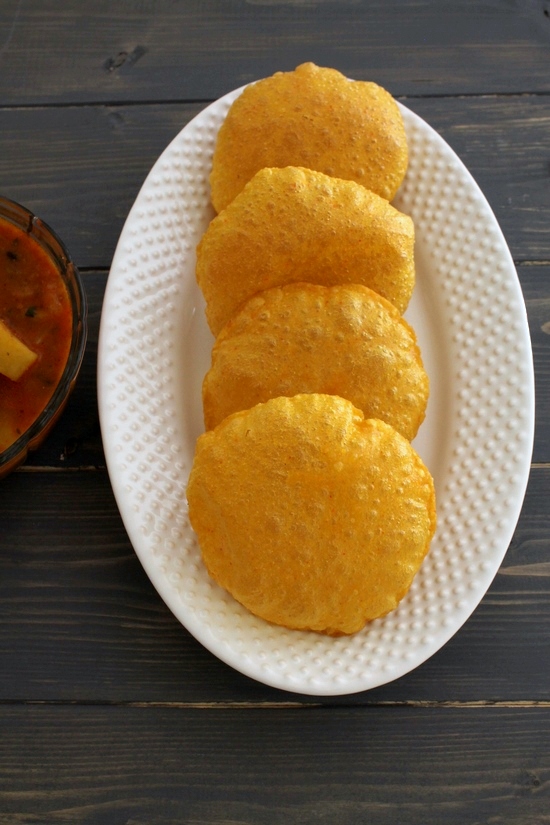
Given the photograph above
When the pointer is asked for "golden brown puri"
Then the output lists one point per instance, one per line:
(303, 338)
(293, 224)
(312, 117)
(311, 516)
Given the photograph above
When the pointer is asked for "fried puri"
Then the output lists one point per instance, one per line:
(293, 224)
(316, 118)
(303, 338)
(310, 515)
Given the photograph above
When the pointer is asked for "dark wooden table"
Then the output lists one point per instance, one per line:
(110, 712)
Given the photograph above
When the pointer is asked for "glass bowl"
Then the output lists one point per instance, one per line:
(32, 438)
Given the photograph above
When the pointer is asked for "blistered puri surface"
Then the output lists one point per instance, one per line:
(470, 319)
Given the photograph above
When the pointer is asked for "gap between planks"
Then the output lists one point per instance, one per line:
(286, 705)
(85, 468)
(199, 101)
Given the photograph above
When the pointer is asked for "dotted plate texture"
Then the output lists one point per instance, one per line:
(469, 315)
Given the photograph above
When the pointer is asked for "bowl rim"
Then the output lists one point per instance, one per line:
(58, 252)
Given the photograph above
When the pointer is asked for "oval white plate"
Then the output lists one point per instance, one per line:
(470, 319)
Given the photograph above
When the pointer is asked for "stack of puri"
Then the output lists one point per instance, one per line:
(310, 504)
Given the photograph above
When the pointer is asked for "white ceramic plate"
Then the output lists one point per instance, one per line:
(470, 319)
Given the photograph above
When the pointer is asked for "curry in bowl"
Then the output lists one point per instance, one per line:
(42, 331)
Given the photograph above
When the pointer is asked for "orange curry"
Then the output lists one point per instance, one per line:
(35, 306)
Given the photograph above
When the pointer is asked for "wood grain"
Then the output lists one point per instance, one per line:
(106, 766)
(84, 174)
(535, 283)
(80, 621)
(84, 51)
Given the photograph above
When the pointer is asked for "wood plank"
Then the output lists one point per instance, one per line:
(105, 766)
(535, 282)
(90, 51)
(84, 174)
(80, 621)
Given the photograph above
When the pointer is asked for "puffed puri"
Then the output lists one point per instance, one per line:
(310, 515)
(313, 117)
(340, 340)
(294, 224)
